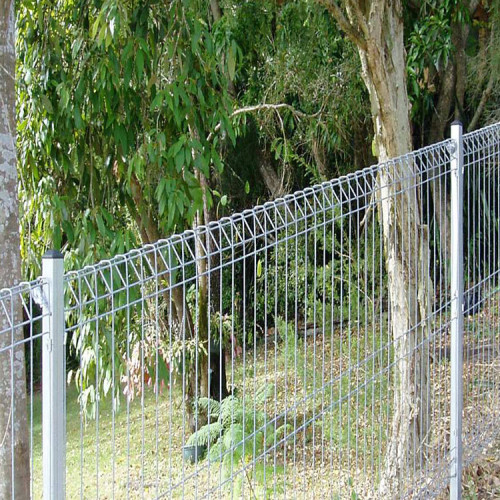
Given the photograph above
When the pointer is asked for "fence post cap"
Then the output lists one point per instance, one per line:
(456, 122)
(53, 254)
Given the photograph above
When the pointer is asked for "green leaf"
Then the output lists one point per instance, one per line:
(63, 103)
(68, 231)
(157, 101)
(163, 371)
(171, 213)
(78, 118)
(217, 161)
(95, 27)
(57, 238)
(259, 268)
(247, 187)
(121, 137)
(216, 450)
(100, 224)
(179, 160)
(46, 104)
(139, 63)
(223, 200)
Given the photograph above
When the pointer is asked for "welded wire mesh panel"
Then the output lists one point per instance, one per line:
(482, 290)
(21, 335)
(263, 355)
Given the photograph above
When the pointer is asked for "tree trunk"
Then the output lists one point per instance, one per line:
(451, 91)
(202, 324)
(405, 242)
(319, 155)
(14, 437)
(273, 182)
(215, 386)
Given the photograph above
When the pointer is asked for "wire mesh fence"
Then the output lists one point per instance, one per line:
(481, 372)
(258, 356)
(21, 336)
(298, 349)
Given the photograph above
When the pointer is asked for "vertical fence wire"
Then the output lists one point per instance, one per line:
(481, 270)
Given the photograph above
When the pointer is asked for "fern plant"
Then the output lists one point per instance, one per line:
(236, 433)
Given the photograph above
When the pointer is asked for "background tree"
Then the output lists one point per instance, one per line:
(14, 437)
(116, 103)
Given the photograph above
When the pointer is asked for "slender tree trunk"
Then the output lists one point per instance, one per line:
(176, 297)
(201, 264)
(319, 155)
(14, 443)
(451, 92)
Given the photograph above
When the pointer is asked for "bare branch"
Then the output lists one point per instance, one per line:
(263, 107)
(345, 25)
(216, 10)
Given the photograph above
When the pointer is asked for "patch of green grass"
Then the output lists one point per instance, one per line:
(136, 447)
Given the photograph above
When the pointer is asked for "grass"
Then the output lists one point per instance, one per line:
(331, 389)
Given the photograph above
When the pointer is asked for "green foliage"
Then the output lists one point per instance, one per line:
(236, 432)
(111, 95)
(319, 275)
(116, 102)
(294, 53)
(429, 48)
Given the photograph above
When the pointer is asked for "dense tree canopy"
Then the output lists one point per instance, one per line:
(123, 105)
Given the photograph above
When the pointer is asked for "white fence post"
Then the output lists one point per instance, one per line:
(457, 313)
(53, 379)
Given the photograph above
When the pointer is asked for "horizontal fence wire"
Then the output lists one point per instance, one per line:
(21, 335)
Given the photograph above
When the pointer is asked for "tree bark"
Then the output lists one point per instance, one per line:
(377, 29)
(203, 218)
(14, 437)
(318, 152)
(383, 67)
(451, 92)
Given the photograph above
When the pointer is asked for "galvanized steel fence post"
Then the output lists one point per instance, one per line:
(457, 313)
(53, 379)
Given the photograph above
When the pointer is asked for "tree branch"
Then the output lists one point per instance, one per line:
(355, 11)
(262, 107)
(482, 103)
(216, 10)
(473, 5)
(345, 25)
